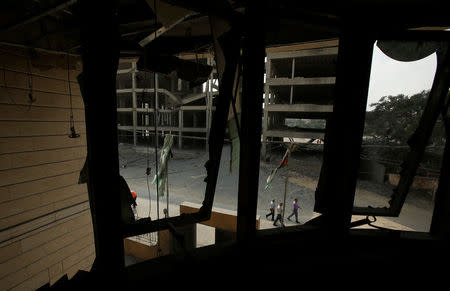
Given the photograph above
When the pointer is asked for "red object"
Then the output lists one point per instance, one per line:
(284, 162)
(133, 194)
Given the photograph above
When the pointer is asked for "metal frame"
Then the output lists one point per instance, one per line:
(337, 182)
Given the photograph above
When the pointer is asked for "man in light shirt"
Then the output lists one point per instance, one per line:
(279, 215)
(272, 210)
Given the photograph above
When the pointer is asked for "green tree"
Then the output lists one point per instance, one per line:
(394, 119)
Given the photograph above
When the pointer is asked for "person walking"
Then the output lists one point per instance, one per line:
(279, 215)
(295, 208)
(134, 204)
(272, 210)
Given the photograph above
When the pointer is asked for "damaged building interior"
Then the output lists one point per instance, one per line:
(79, 76)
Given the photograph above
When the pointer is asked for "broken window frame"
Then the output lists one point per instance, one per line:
(437, 104)
(226, 35)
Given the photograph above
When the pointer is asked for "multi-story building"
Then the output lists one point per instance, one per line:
(297, 100)
(183, 111)
(298, 92)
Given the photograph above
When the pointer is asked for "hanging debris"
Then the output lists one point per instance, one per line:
(166, 153)
(235, 143)
(282, 164)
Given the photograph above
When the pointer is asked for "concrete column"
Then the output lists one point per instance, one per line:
(292, 77)
(194, 119)
(266, 112)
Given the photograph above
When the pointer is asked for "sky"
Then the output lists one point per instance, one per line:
(391, 77)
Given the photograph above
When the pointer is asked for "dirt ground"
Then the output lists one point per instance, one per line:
(186, 183)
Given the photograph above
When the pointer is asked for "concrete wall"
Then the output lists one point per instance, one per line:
(220, 218)
(426, 183)
(45, 222)
(142, 250)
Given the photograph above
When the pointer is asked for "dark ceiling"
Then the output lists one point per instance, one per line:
(54, 24)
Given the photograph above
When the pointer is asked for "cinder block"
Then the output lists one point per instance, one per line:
(77, 257)
(10, 251)
(25, 216)
(13, 279)
(55, 272)
(84, 265)
(43, 237)
(57, 256)
(33, 283)
(22, 261)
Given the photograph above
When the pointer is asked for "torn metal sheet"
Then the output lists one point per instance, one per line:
(408, 51)
(193, 72)
(169, 15)
(235, 143)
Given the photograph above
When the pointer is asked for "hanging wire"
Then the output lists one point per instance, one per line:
(155, 76)
(30, 84)
(156, 138)
(148, 169)
(73, 133)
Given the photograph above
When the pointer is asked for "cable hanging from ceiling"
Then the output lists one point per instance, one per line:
(147, 136)
(155, 114)
(73, 133)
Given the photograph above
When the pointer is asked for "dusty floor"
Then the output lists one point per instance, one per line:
(187, 172)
